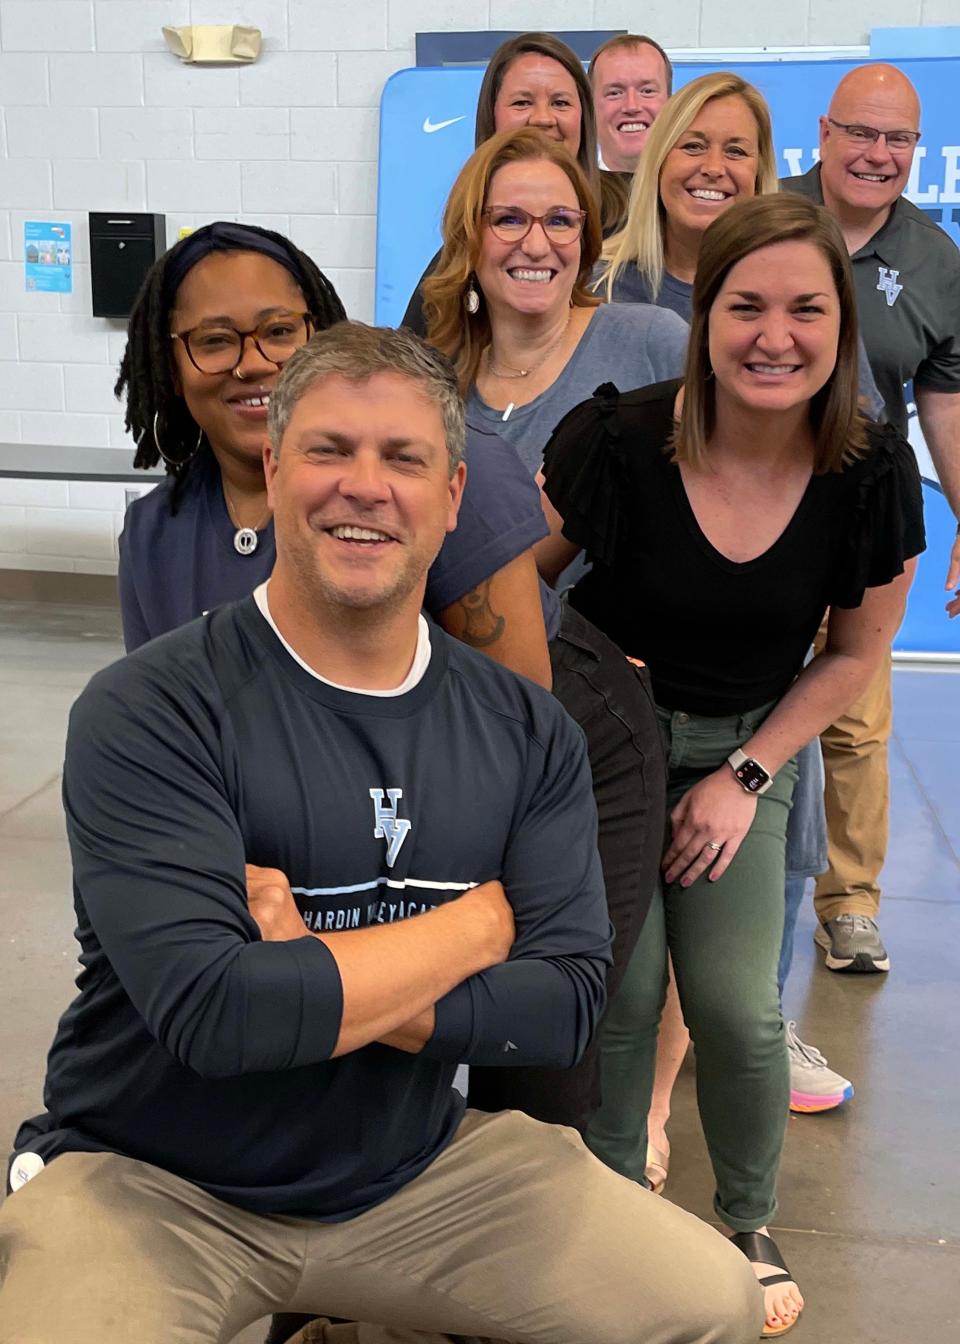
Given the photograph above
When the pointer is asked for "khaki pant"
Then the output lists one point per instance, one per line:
(856, 797)
(514, 1233)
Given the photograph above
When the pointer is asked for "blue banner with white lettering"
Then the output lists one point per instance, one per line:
(427, 133)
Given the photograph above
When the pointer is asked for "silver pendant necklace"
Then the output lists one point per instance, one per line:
(245, 539)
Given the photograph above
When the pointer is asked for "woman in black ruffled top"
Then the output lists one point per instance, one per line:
(723, 516)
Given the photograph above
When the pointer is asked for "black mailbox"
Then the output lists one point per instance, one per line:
(123, 247)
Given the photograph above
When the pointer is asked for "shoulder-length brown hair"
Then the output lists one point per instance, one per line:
(463, 336)
(745, 228)
(541, 44)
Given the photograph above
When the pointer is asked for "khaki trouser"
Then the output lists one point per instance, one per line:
(516, 1233)
(856, 797)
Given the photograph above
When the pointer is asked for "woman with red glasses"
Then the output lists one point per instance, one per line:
(508, 304)
(509, 300)
(218, 316)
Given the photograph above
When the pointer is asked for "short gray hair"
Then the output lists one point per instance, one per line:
(357, 352)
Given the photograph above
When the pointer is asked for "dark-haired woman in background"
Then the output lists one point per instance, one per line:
(774, 498)
(218, 316)
(536, 80)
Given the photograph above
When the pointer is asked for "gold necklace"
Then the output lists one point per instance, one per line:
(525, 373)
(245, 539)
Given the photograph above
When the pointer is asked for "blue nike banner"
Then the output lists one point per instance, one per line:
(427, 133)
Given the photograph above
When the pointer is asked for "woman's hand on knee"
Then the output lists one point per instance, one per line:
(709, 824)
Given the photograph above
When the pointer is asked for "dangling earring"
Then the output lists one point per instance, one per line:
(471, 299)
(174, 461)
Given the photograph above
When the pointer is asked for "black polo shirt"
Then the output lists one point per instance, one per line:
(908, 293)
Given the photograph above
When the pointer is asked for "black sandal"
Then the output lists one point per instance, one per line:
(761, 1249)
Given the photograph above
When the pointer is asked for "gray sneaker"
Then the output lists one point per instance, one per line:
(813, 1084)
(852, 943)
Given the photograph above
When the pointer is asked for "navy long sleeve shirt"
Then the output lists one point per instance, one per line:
(196, 1046)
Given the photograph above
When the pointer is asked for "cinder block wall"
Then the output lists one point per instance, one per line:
(97, 115)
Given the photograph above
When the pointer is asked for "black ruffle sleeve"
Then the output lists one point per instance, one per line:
(885, 527)
(583, 477)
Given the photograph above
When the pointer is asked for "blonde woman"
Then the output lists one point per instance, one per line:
(711, 145)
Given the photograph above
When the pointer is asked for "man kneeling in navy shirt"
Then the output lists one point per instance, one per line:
(322, 855)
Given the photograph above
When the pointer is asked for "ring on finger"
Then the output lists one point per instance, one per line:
(715, 845)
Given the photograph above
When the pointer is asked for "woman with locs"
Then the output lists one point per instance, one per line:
(774, 498)
(216, 319)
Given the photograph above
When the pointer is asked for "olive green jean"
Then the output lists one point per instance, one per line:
(724, 938)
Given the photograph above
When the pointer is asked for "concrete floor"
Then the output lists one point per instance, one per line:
(870, 1194)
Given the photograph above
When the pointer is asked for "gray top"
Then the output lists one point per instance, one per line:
(632, 286)
(630, 345)
(908, 293)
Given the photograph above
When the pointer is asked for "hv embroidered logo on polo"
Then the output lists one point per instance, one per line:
(387, 825)
(887, 284)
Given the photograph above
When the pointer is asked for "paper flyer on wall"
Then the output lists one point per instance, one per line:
(48, 259)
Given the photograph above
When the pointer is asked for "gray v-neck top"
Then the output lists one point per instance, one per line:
(630, 345)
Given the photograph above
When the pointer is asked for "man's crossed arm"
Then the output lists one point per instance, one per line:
(393, 974)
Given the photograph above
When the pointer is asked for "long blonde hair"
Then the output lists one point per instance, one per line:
(463, 336)
(640, 241)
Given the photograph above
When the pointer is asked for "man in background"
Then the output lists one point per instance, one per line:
(631, 78)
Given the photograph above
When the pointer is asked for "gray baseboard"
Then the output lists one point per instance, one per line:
(40, 585)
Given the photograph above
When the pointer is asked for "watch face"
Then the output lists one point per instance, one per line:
(751, 775)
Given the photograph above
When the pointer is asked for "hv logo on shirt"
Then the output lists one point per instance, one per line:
(387, 825)
(887, 284)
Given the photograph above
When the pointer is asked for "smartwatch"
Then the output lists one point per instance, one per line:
(750, 774)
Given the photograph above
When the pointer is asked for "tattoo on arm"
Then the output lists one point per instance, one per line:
(481, 624)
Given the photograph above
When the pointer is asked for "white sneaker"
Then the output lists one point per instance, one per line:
(813, 1084)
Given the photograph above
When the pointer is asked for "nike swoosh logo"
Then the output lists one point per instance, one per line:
(430, 126)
